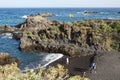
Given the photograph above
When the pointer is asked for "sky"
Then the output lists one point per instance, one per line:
(59, 3)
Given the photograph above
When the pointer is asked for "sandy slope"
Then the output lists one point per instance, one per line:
(108, 66)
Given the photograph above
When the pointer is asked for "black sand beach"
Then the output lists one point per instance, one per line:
(108, 66)
(76, 66)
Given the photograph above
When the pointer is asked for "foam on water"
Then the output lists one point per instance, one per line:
(6, 35)
(78, 12)
(57, 15)
(110, 18)
(104, 12)
(45, 60)
(25, 16)
(51, 58)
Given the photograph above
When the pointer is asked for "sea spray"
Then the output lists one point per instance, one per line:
(6, 35)
(25, 16)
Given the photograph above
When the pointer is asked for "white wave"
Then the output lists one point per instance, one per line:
(7, 35)
(57, 15)
(78, 12)
(25, 17)
(51, 58)
(47, 59)
(104, 12)
(110, 18)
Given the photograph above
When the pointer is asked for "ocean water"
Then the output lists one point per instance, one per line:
(14, 16)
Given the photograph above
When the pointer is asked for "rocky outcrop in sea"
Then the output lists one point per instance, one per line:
(76, 38)
(38, 34)
(7, 29)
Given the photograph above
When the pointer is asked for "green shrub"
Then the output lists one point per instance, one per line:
(78, 78)
(34, 32)
(29, 33)
(12, 72)
(43, 37)
(56, 28)
(107, 30)
(116, 26)
(114, 46)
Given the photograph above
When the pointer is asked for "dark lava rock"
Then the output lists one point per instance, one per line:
(73, 39)
(90, 12)
(17, 35)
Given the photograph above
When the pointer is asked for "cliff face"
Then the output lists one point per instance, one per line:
(77, 38)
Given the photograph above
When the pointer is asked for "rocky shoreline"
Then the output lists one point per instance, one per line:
(38, 34)
(80, 40)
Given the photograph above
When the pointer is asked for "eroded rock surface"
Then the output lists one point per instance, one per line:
(76, 38)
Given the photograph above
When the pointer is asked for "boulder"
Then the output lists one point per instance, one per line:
(6, 29)
(17, 35)
(90, 12)
(5, 58)
(46, 14)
